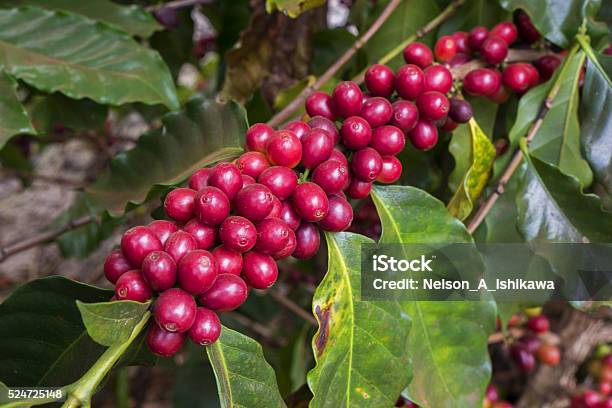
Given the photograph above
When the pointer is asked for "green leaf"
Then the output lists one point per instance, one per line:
(56, 109)
(244, 377)
(481, 156)
(13, 117)
(284, 97)
(108, 323)
(131, 19)
(81, 58)
(194, 384)
(360, 347)
(471, 14)
(292, 8)
(43, 341)
(448, 340)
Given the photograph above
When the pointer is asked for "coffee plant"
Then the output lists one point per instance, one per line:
(281, 137)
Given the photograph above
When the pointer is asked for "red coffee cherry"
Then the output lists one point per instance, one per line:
(238, 233)
(534, 75)
(227, 178)
(501, 96)
(525, 27)
(449, 125)
(461, 42)
(162, 229)
(507, 31)
(284, 149)
(331, 176)
(459, 59)
(347, 99)
(437, 78)
(164, 343)
(366, 164)
(358, 189)
(228, 260)
(445, 48)
(319, 122)
(308, 241)
(405, 115)
(424, 136)
(288, 249)
(115, 265)
(494, 50)
(340, 215)
(259, 271)
(379, 80)
(254, 202)
(530, 343)
(247, 180)
(252, 163)
(257, 136)
(280, 180)
(197, 271)
(538, 324)
(179, 204)
(199, 179)
(320, 104)
(517, 77)
(179, 244)
(482, 81)
(546, 66)
(289, 215)
(409, 81)
(174, 310)
(491, 393)
(549, 354)
(132, 286)
(391, 170)
(277, 207)
(159, 271)
(338, 156)
(227, 293)
(272, 235)
(206, 327)
(460, 110)
(388, 140)
(317, 146)
(432, 105)
(523, 359)
(138, 242)
(310, 202)
(298, 127)
(211, 206)
(377, 111)
(418, 54)
(204, 235)
(476, 37)
(356, 133)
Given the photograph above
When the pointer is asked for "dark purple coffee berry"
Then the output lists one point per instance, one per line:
(206, 327)
(366, 164)
(340, 215)
(197, 271)
(132, 286)
(387, 140)
(211, 206)
(320, 122)
(284, 149)
(523, 359)
(546, 66)
(379, 79)
(115, 265)
(162, 229)
(204, 235)
(228, 292)
(259, 270)
(174, 310)
(179, 244)
(405, 115)
(168, 17)
(272, 235)
(377, 111)
(526, 30)
(347, 98)
(257, 136)
(356, 133)
(308, 241)
(228, 260)
(138, 242)
(254, 202)
(159, 271)
(460, 110)
(252, 163)
(316, 147)
(320, 104)
(227, 178)
(310, 202)
(238, 233)
(331, 175)
(391, 170)
(179, 204)
(164, 343)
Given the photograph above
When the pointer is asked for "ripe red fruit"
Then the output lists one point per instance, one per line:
(523, 359)
(298, 127)
(316, 147)
(449, 125)
(159, 271)
(115, 265)
(138, 242)
(338, 156)
(162, 342)
(247, 180)
(534, 75)
(366, 164)
(289, 215)
(288, 249)
(405, 115)
(277, 207)
(319, 122)
(179, 244)
(494, 49)
(358, 189)
(132, 286)
(356, 133)
(197, 271)
(481, 81)
(424, 136)
(476, 37)
(590, 399)
(546, 66)
(310, 202)
(461, 41)
(179, 204)
(379, 80)
(517, 77)
(418, 54)
(437, 78)
(227, 293)
(501, 96)
(507, 31)
(308, 241)
(320, 104)
(174, 310)
(391, 170)
(525, 27)
(257, 136)
(377, 111)
(227, 178)
(238, 233)
(199, 179)
(211, 206)
(254, 202)
(206, 327)
(272, 235)
(549, 354)
(459, 59)
(460, 110)
(280, 180)
(284, 149)
(260, 270)
(538, 324)
(530, 343)
(347, 98)
(204, 235)
(228, 260)
(387, 140)
(162, 229)
(491, 393)
(445, 48)
(331, 176)
(252, 163)
(409, 81)
(340, 215)
(432, 105)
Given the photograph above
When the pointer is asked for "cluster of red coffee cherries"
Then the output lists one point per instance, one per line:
(535, 344)
(600, 373)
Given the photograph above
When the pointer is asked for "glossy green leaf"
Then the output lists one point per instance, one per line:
(131, 19)
(108, 323)
(49, 111)
(482, 154)
(43, 341)
(360, 347)
(13, 116)
(448, 340)
(69, 53)
(244, 377)
(473, 13)
(292, 8)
